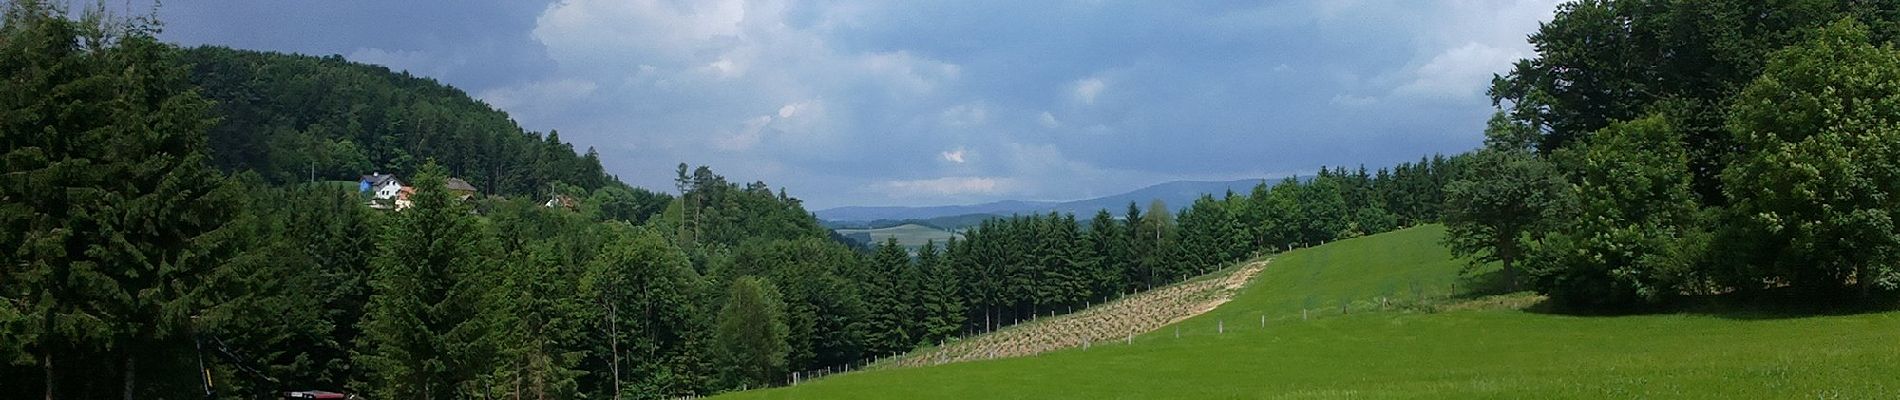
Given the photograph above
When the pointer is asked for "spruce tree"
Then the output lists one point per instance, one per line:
(424, 335)
(886, 329)
(114, 225)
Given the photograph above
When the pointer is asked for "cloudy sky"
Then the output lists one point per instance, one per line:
(927, 102)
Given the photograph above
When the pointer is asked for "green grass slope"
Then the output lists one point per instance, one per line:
(1375, 352)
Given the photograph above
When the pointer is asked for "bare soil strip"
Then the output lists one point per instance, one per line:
(1112, 322)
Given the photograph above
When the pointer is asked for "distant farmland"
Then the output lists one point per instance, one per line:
(910, 236)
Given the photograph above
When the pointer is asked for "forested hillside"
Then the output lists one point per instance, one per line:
(297, 118)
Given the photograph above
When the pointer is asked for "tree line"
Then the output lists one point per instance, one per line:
(1655, 151)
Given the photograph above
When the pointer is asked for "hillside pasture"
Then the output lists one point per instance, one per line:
(1381, 317)
(911, 236)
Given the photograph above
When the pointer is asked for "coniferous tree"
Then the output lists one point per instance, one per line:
(114, 226)
(1111, 254)
(424, 332)
(938, 305)
(888, 315)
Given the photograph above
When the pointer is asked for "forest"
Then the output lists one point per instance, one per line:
(170, 232)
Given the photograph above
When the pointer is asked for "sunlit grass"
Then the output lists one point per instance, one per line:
(1450, 348)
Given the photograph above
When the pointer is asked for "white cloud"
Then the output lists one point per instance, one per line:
(527, 100)
(945, 186)
(807, 108)
(1048, 120)
(1461, 72)
(955, 156)
(1087, 89)
(596, 31)
(750, 133)
(1478, 38)
(964, 115)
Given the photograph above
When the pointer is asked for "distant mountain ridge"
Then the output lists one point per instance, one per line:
(1177, 194)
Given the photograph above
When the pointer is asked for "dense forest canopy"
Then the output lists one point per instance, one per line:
(297, 118)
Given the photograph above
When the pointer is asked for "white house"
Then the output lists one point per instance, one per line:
(382, 186)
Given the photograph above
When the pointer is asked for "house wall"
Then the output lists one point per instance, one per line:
(388, 191)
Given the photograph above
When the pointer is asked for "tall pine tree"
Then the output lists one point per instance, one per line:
(424, 335)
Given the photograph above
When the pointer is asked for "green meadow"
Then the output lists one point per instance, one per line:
(1383, 317)
(911, 236)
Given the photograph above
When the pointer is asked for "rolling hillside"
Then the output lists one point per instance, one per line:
(911, 236)
(1377, 317)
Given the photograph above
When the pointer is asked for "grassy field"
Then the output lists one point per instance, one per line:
(911, 236)
(1420, 343)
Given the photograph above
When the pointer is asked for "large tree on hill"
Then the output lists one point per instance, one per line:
(113, 219)
(1815, 192)
(1489, 214)
(424, 333)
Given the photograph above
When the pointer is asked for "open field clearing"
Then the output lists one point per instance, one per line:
(1390, 344)
(910, 236)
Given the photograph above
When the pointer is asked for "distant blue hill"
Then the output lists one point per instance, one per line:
(1177, 194)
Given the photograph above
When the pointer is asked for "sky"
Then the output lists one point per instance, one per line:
(934, 102)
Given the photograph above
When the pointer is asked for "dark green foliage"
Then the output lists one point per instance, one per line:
(1815, 192)
(752, 333)
(1321, 212)
(1630, 236)
(1489, 214)
(291, 304)
(296, 118)
(1601, 61)
(888, 310)
(424, 333)
(631, 205)
(716, 212)
(939, 304)
(640, 290)
(115, 226)
(824, 310)
(1775, 112)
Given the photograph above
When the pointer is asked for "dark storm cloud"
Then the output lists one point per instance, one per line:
(938, 102)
